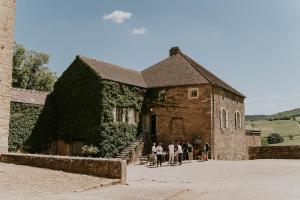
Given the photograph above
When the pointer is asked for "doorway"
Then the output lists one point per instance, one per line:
(153, 128)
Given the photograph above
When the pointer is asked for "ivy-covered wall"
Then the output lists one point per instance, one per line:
(22, 120)
(80, 108)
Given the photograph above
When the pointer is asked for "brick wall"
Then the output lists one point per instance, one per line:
(107, 168)
(229, 143)
(7, 23)
(274, 152)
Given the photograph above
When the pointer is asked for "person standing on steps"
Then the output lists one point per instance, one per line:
(171, 153)
(159, 152)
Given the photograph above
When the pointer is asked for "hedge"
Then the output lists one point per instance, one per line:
(22, 120)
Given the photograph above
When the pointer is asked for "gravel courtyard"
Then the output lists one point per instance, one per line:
(213, 180)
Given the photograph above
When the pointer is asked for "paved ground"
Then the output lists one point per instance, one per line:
(213, 180)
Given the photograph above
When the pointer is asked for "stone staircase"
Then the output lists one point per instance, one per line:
(124, 154)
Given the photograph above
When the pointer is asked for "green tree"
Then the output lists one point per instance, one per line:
(29, 70)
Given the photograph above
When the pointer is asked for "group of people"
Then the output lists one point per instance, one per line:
(179, 151)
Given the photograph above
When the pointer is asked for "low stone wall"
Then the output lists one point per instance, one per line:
(274, 152)
(106, 168)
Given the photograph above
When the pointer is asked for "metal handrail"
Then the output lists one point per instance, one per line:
(141, 136)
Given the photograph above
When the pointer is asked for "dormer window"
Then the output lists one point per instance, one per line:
(193, 93)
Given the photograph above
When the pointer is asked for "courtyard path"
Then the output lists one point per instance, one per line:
(213, 180)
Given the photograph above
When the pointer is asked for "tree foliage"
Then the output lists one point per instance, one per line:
(275, 138)
(29, 70)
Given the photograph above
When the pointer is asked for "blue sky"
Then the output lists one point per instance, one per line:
(252, 45)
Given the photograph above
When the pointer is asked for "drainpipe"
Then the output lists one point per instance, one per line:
(212, 127)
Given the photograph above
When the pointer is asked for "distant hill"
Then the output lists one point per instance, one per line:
(255, 117)
(285, 115)
(278, 116)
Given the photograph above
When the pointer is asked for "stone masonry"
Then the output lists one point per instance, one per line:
(179, 117)
(7, 23)
(228, 143)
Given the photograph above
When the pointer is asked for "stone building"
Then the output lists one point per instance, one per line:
(7, 23)
(177, 99)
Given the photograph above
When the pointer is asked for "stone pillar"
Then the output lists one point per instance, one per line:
(7, 25)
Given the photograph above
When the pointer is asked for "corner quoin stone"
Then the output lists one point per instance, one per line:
(7, 24)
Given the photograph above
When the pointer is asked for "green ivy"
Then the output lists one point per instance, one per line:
(22, 120)
(80, 108)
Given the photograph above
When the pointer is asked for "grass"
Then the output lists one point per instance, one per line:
(282, 127)
(288, 142)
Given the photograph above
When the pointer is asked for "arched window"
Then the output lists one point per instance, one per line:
(224, 118)
(238, 122)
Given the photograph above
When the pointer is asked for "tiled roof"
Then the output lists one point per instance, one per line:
(115, 73)
(176, 70)
(28, 96)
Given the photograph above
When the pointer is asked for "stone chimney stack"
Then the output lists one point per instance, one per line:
(174, 50)
(7, 26)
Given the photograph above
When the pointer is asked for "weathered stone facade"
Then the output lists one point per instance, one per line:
(7, 23)
(178, 117)
(229, 143)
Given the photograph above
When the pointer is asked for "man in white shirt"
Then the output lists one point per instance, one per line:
(179, 153)
(154, 151)
(171, 153)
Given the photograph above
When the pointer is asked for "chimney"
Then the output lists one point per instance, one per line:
(174, 50)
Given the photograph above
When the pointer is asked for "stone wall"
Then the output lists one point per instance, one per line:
(228, 143)
(274, 152)
(179, 117)
(7, 23)
(107, 168)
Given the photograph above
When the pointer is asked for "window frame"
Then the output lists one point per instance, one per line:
(190, 92)
(238, 125)
(226, 122)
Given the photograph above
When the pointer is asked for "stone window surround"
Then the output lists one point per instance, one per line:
(222, 95)
(226, 119)
(238, 113)
(125, 111)
(190, 90)
(162, 95)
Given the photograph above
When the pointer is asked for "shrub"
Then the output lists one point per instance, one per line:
(275, 138)
(196, 140)
(89, 150)
(264, 142)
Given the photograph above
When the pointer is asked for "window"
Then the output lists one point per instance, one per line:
(223, 95)
(119, 115)
(131, 115)
(137, 117)
(237, 100)
(224, 119)
(237, 120)
(193, 93)
(162, 95)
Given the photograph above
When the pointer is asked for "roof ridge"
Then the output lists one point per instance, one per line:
(213, 77)
(108, 63)
(185, 57)
(161, 61)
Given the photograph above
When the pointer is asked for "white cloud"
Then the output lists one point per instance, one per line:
(118, 16)
(139, 31)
